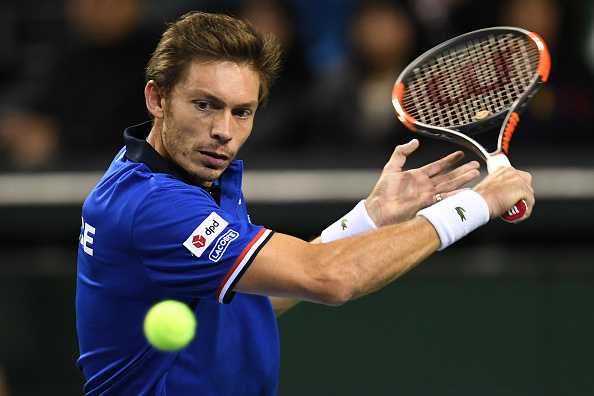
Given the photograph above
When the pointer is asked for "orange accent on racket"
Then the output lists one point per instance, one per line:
(509, 131)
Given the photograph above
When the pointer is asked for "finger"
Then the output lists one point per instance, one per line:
(437, 167)
(458, 177)
(530, 200)
(526, 176)
(462, 169)
(524, 188)
(398, 158)
(455, 184)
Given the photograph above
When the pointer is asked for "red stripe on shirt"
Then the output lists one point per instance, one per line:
(238, 261)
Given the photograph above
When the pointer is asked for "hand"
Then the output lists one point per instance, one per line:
(399, 195)
(503, 188)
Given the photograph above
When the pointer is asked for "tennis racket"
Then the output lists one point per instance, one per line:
(473, 83)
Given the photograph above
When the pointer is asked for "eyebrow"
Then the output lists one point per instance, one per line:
(218, 101)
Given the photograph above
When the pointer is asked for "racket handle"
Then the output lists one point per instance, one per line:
(514, 213)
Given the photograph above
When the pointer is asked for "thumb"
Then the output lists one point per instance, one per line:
(398, 158)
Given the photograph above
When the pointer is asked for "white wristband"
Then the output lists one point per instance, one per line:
(456, 216)
(357, 221)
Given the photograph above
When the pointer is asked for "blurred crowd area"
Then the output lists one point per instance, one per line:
(72, 75)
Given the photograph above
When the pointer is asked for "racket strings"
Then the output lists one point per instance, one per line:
(480, 77)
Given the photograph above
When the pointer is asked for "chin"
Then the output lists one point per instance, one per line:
(206, 176)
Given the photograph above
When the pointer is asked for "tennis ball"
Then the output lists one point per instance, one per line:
(170, 325)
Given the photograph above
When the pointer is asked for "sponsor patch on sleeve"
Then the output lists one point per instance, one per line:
(219, 249)
(205, 234)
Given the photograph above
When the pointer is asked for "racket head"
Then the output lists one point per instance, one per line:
(471, 83)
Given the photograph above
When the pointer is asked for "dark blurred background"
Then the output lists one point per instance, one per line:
(506, 311)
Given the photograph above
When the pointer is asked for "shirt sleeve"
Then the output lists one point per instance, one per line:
(190, 246)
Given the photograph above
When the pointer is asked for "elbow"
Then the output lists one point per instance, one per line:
(334, 279)
(337, 290)
(337, 300)
(334, 299)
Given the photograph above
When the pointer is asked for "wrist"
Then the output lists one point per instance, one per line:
(457, 216)
(357, 221)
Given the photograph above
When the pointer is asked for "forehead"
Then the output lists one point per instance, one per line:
(223, 79)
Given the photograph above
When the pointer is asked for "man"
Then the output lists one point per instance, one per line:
(168, 221)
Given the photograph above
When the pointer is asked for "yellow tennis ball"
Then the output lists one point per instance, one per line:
(170, 325)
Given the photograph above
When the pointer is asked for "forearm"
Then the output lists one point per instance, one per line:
(367, 262)
(336, 272)
(408, 243)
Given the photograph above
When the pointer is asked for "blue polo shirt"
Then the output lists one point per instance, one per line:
(147, 235)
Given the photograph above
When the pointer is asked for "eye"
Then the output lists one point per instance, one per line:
(243, 113)
(203, 105)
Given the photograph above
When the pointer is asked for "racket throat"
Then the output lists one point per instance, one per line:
(454, 136)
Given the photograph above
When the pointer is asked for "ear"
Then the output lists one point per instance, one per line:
(153, 98)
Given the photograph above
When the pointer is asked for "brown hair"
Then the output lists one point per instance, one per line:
(213, 37)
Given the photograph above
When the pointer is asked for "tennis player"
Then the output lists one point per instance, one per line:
(168, 221)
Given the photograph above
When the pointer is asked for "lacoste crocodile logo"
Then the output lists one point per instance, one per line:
(460, 211)
(343, 224)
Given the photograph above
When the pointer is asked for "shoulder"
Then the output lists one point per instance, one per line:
(135, 178)
(129, 188)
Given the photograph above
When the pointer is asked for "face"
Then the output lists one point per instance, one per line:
(206, 119)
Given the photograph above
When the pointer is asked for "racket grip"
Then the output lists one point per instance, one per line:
(514, 213)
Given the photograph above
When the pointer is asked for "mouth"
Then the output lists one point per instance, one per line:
(213, 158)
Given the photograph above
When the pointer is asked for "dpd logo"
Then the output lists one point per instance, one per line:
(207, 232)
(198, 241)
(212, 228)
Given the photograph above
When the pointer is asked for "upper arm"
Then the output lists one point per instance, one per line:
(284, 267)
(283, 304)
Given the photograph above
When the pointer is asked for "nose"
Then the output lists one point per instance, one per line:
(221, 127)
